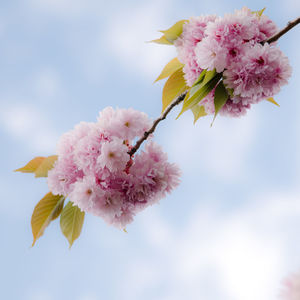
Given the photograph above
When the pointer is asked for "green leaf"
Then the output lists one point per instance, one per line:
(271, 99)
(170, 68)
(198, 111)
(208, 76)
(174, 86)
(203, 78)
(71, 221)
(259, 12)
(46, 165)
(200, 78)
(48, 209)
(174, 31)
(203, 90)
(32, 165)
(163, 40)
(230, 92)
(221, 96)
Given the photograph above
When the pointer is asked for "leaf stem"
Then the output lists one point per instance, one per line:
(175, 102)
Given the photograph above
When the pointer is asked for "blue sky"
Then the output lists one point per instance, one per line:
(230, 231)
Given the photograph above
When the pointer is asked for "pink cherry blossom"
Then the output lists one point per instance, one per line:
(266, 27)
(63, 175)
(234, 107)
(193, 33)
(235, 46)
(95, 171)
(260, 74)
(291, 289)
(113, 155)
(211, 55)
(88, 149)
(86, 193)
(131, 123)
(125, 124)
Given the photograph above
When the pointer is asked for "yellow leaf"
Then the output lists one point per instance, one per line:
(198, 111)
(71, 221)
(39, 165)
(174, 31)
(48, 209)
(32, 165)
(271, 99)
(46, 165)
(259, 12)
(170, 68)
(174, 86)
(163, 40)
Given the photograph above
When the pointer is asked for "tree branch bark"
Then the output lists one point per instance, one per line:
(288, 27)
(156, 122)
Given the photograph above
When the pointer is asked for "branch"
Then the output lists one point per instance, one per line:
(180, 98)
(155, 123)
(278, 35)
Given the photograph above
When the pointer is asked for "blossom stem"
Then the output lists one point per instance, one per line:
(175, 102)
(279, 34)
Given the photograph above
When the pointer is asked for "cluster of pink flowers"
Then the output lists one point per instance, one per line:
(291, 289)
(96, 172)
(234, 45)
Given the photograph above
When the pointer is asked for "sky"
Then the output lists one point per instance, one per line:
(230, 231)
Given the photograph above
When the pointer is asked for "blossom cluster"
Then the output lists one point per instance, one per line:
(291, 289)
(98, 175)
(252, 69)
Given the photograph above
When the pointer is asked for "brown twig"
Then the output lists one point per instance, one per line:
(288, 27)
(156, 122)
(180, 98)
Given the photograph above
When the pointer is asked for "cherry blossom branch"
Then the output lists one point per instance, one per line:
(175, 102)
(288, 27)
(180, 98)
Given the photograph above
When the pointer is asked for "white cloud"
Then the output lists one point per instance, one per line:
(38, 294)
(90, 57)
(291, 8)
(220, 151)
(144, 275)
(89, 296)
(127, 35)
(159, 234)
(241, 254)
(233, 251)
(63, 8)
(47, 84)
(2, 28)
(29, 126)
